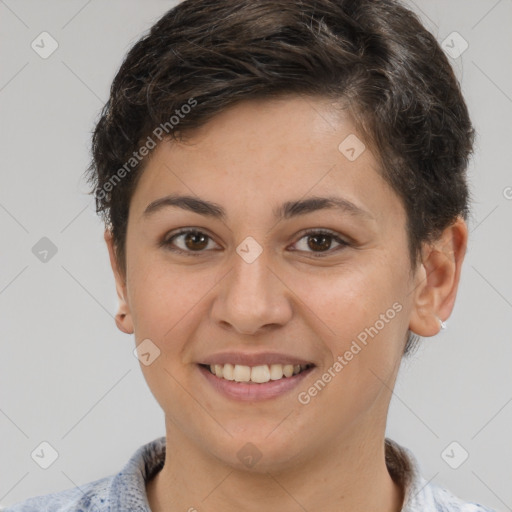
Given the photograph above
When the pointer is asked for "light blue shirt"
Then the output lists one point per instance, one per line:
(126, 491)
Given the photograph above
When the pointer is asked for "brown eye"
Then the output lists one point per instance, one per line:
(195, 240)
(188, 241)
(320, 242)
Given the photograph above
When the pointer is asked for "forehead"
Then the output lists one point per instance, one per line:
(266, 152)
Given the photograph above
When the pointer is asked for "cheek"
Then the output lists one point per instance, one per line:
(163, 296)
(343, 302)
(359, 318)
(167, 303)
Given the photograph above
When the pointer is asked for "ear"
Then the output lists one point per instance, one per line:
(124, 319)
(437, 279)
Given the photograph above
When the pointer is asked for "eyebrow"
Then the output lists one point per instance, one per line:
(287, 210)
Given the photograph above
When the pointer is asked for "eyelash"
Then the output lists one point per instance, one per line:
(167, 243)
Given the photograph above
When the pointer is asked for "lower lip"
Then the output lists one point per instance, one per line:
(252, 391)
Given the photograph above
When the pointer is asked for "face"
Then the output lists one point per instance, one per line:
(250, 275)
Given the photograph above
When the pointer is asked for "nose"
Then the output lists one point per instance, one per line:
(252, 297)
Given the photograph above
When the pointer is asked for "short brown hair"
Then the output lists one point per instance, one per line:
(374, 57)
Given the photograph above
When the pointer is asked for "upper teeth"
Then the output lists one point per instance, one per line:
(259, 374)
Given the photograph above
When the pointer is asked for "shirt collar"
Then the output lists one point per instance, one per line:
(128, 488)
(404, 469)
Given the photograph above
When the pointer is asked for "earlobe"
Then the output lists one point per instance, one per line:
(124, 320)
(437, 280)
(123, 317)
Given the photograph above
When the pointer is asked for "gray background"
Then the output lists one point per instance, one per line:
(68, 376)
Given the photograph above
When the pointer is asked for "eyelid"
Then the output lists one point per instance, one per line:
(322, 231)
(166, 242)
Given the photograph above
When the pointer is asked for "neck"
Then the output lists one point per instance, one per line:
(351, 476)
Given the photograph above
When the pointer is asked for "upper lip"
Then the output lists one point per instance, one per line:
(255, 359)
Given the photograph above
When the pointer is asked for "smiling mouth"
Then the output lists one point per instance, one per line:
(255, 374)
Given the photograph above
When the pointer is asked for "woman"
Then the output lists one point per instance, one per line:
(284, 191)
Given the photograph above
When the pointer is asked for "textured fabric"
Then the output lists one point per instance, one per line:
(126, 491)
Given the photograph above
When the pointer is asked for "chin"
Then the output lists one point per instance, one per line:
(259, 450)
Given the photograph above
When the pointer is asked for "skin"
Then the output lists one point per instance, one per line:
(329, 454)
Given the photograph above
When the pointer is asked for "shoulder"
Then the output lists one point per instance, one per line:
(420, 495)
(122, 491)
(444, 501)
(91, 497)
